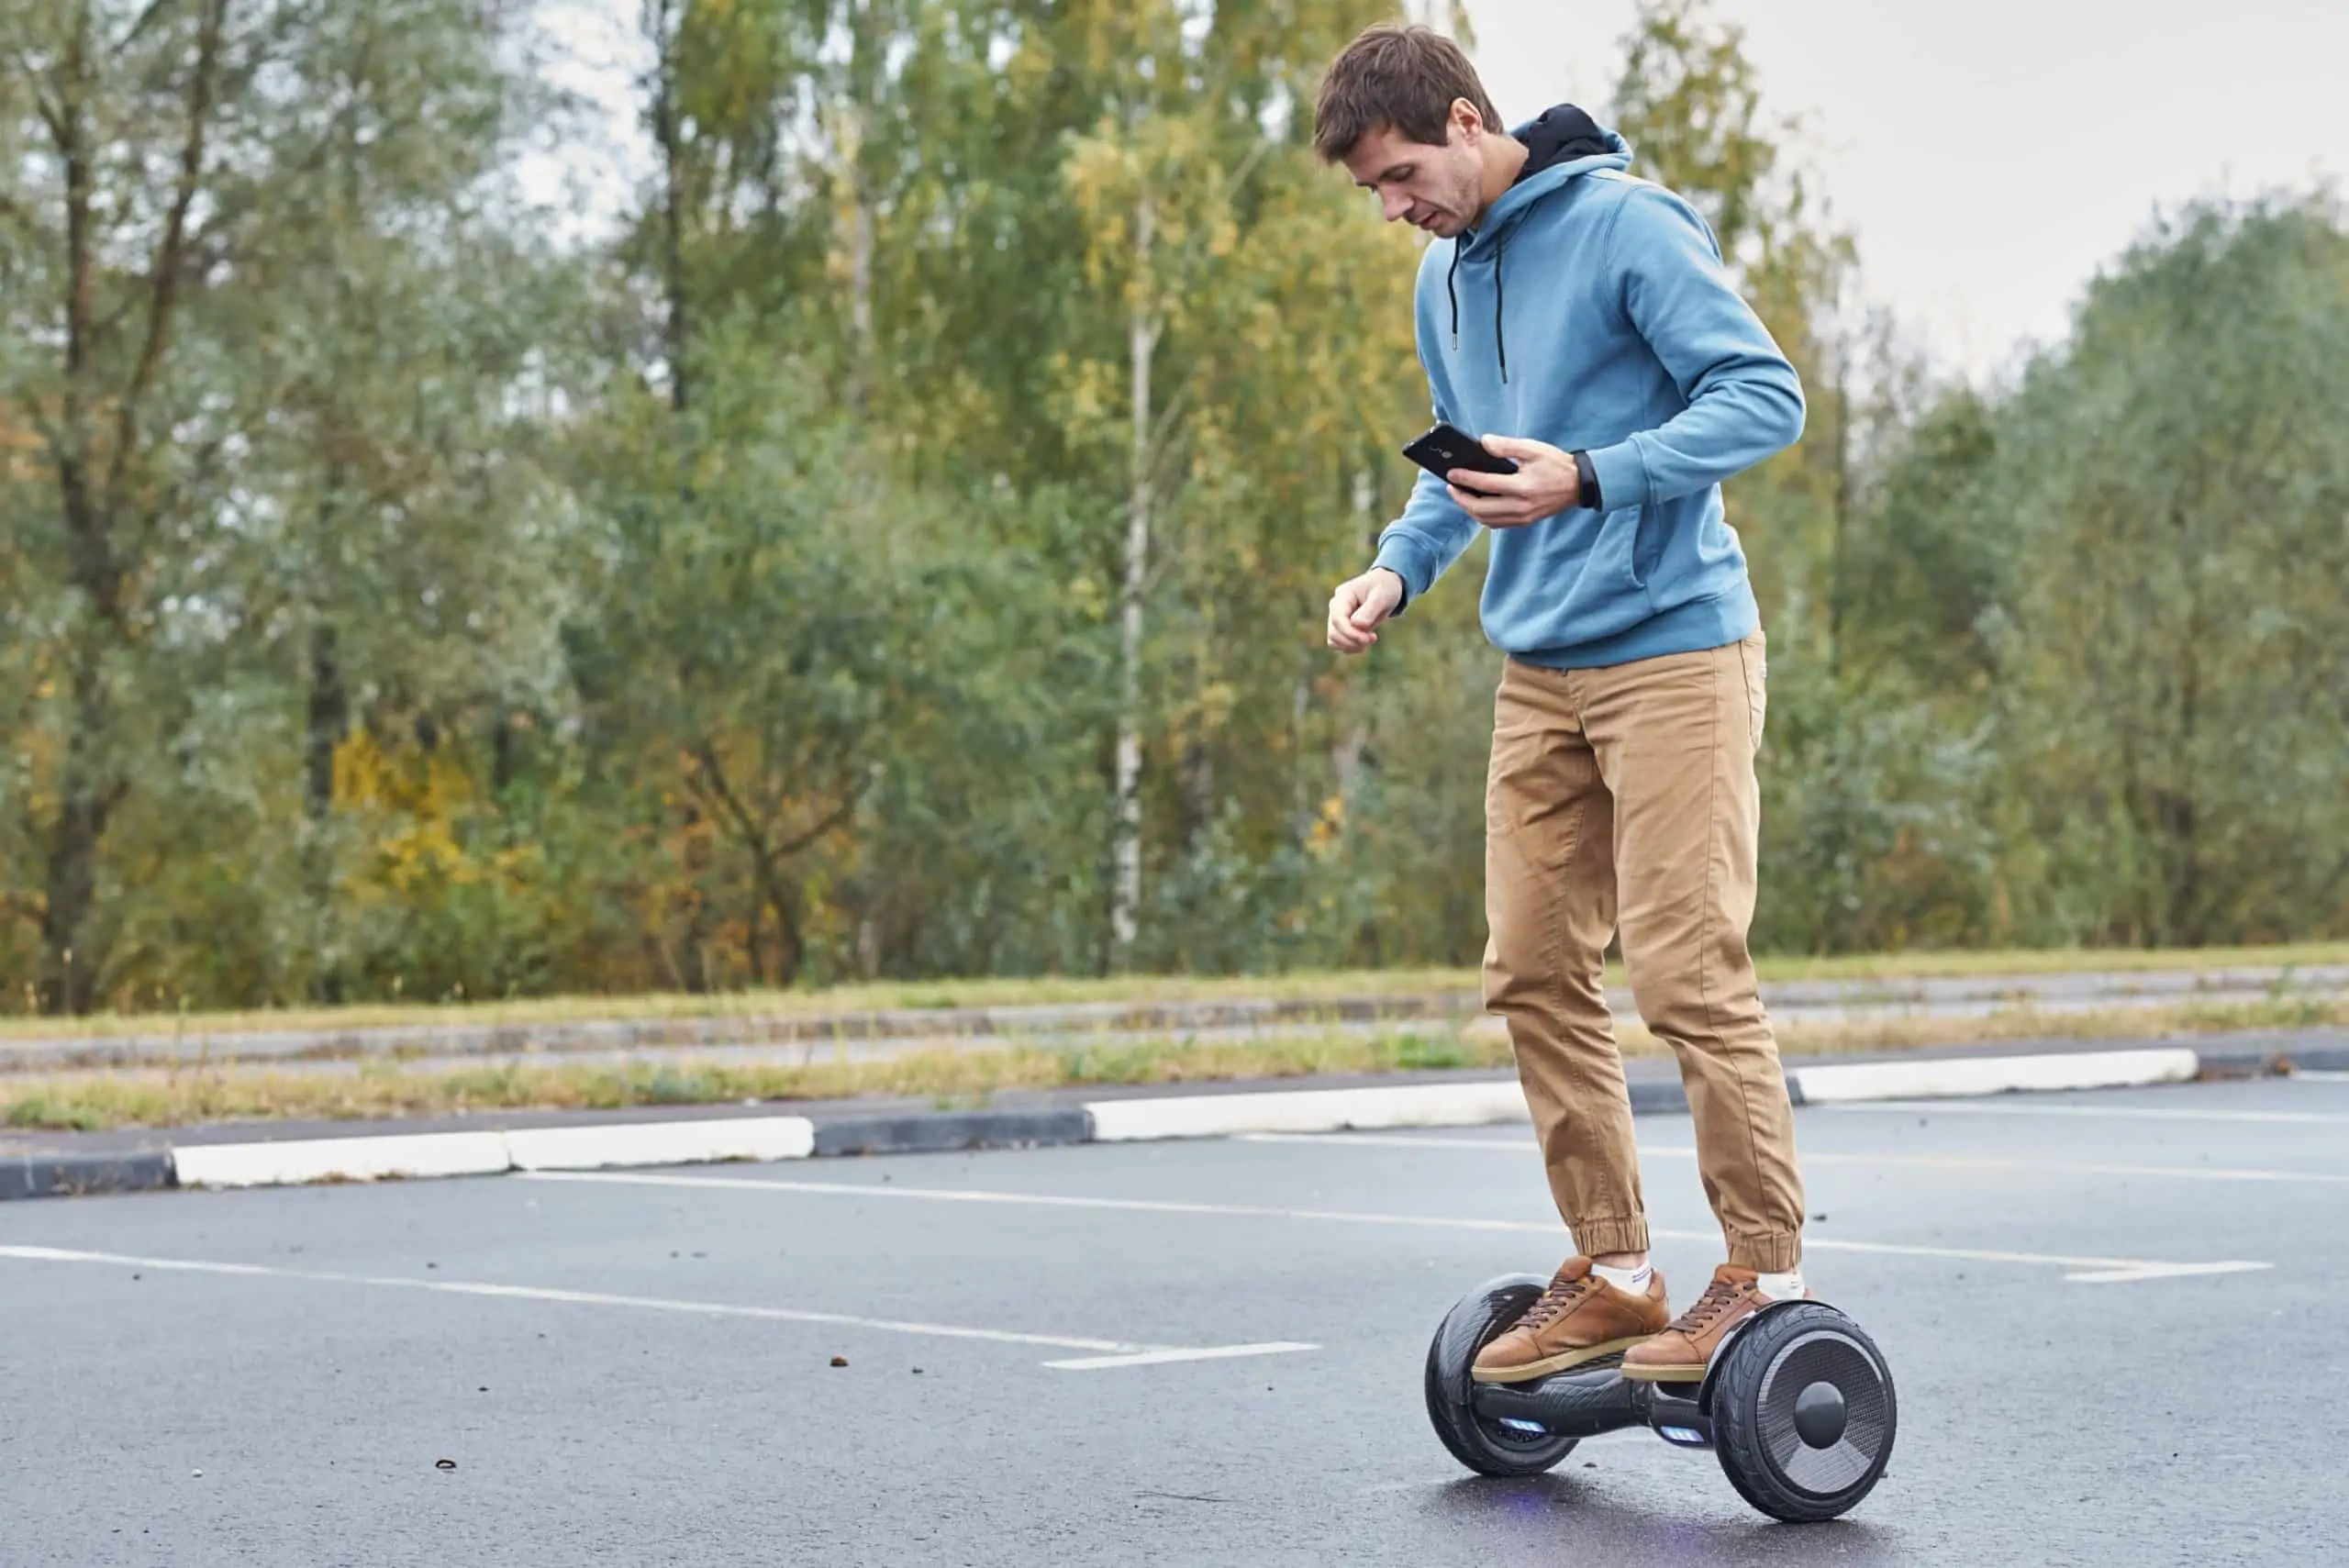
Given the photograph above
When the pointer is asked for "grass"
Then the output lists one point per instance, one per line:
(1302, 987)
(89, 1101)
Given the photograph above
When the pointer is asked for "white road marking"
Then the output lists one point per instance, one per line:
(2160, 1270)
(1814, 1157)
(1114, 1352)
(1159, 1358)
(2120, 1113)
(2318, 1075)
(2135, 1268)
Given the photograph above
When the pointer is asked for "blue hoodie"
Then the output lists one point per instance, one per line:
(1618, 332)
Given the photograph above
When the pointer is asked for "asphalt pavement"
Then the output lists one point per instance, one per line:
(2107, 1315)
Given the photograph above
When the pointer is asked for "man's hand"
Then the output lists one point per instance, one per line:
(1359, 605)
(1547, 482)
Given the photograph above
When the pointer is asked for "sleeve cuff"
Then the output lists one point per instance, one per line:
(1409, 560)
(1622, 474)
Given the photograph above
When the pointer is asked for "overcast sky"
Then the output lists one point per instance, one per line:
(1991, 154)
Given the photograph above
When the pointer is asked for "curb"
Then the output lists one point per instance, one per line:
(1950, 1077)
(946, 1132)
(378, 1156)
(72, 1176)
(1310, 1110)
(2252, 1061)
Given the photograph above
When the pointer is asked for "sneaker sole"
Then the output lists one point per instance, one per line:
(1559, 1362)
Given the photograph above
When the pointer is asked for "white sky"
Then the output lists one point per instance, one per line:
(1990, 155)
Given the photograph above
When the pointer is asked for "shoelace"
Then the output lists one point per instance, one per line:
(1718, 1297)
(1563, 1294)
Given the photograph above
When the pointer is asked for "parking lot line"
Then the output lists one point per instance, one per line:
(1815, 1157)
(2118, 1113)
(2099, 1271)
(1114, 1352)
(1160, 1358)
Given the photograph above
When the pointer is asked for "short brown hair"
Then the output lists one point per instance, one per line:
(1406, 77)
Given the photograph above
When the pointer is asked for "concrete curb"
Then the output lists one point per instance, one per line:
(363, 1156)
(71, 1175)
(1310, 1110)
(2256, 1062)
(944, 1132)
(1950, 1077)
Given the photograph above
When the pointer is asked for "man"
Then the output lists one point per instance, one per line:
(1581, 323)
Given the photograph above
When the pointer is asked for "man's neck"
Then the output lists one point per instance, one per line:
(1505, 158)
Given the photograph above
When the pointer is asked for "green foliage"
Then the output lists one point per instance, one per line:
(1881, 822)
(2175, 668)
(391, 606)
(2127, 572)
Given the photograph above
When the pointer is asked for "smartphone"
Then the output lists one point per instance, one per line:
(1444, 449)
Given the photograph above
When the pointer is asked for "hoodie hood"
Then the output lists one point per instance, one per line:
(1562, 134)
(1563, 143)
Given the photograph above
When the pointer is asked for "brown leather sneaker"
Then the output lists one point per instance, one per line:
(1680, 1353)
(1579, 1318)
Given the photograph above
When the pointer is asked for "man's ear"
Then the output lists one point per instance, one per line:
(1467, 125)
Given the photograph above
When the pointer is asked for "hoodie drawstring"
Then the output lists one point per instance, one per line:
(1452, 291)
(1454, 295)
(1500, 343)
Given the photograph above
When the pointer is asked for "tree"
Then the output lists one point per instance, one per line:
(2173, 659)
(1188, 204)
(179, 187)
(1930, 552)
(113, 122)
(749, 654)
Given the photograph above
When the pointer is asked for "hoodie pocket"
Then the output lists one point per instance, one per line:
(1645, 546)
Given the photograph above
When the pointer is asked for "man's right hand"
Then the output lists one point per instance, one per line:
(1359, 605)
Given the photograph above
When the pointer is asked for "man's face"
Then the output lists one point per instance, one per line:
(1438, 189)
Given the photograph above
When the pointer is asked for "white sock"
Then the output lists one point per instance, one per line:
(1633, 1280)
(1788, 1286)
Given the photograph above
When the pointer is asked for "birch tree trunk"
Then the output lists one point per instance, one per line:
(1141, 338)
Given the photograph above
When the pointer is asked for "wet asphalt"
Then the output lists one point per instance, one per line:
(640, 1369)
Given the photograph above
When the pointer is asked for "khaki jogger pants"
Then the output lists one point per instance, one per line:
(1627, 795)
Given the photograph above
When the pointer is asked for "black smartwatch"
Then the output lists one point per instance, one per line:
(1588, 498)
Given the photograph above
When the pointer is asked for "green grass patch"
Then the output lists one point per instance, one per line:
(965, 1079)
(933, 996)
